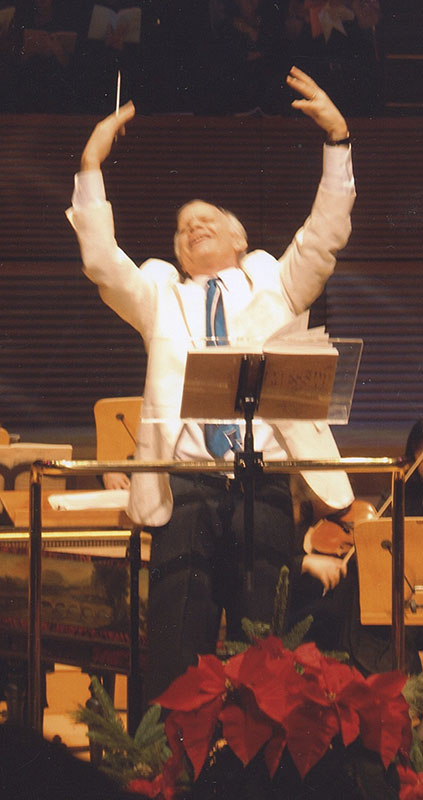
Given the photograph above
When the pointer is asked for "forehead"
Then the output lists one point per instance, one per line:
(200, 209)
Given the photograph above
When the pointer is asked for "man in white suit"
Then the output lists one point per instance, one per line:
(197, 521)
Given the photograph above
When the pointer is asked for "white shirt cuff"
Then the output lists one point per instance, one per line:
(337, 175)
(88, 189)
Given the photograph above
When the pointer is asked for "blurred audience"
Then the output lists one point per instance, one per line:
(194, 56)
(39, 47)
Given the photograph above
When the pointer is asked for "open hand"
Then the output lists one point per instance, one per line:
(316, 104)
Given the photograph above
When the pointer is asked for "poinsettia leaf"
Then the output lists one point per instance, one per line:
(349, 721)
(245, 729)
(387, 684)
(250, 666)
(411, 783)
(384, 715)
(196, 687)
(193, 731)
(281, 692)
(386, 730)
(310, 731)
(273, 751)
(147, 788)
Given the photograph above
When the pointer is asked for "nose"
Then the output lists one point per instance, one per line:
(193, 223)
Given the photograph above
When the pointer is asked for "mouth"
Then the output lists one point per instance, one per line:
(196, 240)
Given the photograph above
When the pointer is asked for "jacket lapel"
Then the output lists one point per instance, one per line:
(191, 301)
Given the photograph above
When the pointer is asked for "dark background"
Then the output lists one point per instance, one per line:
(215, 123)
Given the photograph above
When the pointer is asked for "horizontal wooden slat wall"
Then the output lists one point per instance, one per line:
(61, 349)
(381, 303)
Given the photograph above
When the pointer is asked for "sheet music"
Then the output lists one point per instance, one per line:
(105, 498)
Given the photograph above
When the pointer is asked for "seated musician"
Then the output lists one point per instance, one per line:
(337, 615)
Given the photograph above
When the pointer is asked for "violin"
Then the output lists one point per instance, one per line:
(335, 535)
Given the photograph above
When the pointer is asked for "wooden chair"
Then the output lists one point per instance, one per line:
(4, 436)
(116, 422)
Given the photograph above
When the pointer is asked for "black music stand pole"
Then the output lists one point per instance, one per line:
(248, 462)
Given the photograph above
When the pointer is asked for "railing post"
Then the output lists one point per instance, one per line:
(34, 601)
(397, 631)
(135, 687)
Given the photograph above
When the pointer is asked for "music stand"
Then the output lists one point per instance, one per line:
(373, 544)
(279, 383)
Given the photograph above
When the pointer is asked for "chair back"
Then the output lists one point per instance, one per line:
(116, 422)
(4, 436)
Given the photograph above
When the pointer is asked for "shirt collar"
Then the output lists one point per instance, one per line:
(228, 277)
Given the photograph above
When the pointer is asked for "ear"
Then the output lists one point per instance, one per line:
(239, 242)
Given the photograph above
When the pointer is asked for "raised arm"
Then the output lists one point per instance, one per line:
(316, 104)
(310, 259)
(104, 134)
(128, 290)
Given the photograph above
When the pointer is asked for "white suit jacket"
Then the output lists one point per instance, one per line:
(169, 313)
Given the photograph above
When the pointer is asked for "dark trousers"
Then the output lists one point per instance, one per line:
(197, 569)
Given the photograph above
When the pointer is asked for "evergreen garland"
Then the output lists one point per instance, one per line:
(125, 757)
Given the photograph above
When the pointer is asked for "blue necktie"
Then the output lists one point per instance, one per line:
(219, 438)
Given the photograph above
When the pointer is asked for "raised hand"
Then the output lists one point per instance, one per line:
(316, 104)
(101, 140)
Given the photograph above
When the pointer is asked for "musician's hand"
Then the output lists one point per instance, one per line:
(317, 105)
(116, 480)
(327, 569)
(101, 140)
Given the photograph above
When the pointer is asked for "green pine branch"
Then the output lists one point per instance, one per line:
(125, 757)
(413, 693)
(281, 602)
(295, 636)
(416, 754)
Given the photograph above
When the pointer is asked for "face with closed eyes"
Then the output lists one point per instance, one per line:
(206, 241)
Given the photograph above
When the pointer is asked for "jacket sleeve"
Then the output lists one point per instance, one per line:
(129, 290)
(310, 259)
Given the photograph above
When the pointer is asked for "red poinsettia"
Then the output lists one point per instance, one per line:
(411, 782)
(196, 699)
(269, 697)
(316, 710)
(148, 788)
(203, 696)
(163, 786)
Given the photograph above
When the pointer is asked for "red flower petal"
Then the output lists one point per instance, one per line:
(245, 728)
(196, 687)
(193, 731)
(384, 716)
(273, 751)
(411, 783)
(148, 788)
(310, 731)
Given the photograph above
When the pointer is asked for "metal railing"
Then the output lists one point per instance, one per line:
(396, 466)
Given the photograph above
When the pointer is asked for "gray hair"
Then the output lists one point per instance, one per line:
(235, 225)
